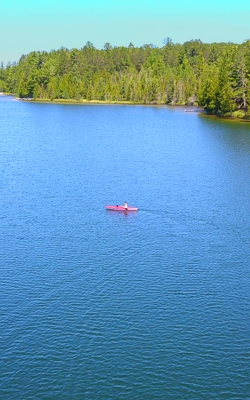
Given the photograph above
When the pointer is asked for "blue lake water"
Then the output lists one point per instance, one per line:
(105, 305)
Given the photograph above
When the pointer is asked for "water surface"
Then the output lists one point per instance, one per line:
(105, 305)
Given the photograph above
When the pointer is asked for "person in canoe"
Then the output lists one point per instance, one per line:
(125, 205)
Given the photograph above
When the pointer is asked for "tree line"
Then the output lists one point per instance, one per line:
(216, 75)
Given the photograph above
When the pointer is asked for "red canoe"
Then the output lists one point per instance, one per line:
(121, 208)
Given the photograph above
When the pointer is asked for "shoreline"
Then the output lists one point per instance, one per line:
(82, 101)
(233, 118)
(119, 102)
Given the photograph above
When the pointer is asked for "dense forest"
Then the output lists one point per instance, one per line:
(216, 76)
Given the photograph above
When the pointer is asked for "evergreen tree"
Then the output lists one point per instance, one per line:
(215, 76)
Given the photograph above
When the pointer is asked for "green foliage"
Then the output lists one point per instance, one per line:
(216, 76)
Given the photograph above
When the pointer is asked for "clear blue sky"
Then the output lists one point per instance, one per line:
(49, 24)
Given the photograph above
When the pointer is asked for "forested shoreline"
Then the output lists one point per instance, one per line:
(215, 76)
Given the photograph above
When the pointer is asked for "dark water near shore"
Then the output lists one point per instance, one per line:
(104, 305)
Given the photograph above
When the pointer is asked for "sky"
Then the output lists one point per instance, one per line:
(50, 24)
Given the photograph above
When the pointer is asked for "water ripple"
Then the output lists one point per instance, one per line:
(96, 304)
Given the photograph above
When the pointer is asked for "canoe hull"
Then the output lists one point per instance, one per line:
(121, 208)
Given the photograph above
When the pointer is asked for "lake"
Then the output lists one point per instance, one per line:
(97, 304)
